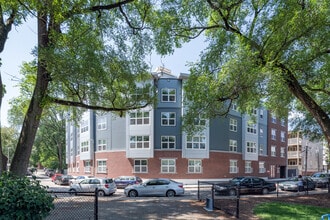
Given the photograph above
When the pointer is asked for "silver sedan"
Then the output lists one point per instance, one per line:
(155, 187)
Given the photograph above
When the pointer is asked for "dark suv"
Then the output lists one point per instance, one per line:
(123, 181)
(245, 185)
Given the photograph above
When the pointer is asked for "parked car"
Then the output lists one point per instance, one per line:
(49, 172)
(246, 185)
(321, 179)
(123, 181)
(292, 184)
(78, 179)
(63, 180)
(105, 186)
(55, 176)
(155, 187)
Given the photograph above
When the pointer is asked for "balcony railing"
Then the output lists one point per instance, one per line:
(294, 141)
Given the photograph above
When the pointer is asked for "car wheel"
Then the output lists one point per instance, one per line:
(232, 192)
(72, 192)
(133, 193)
(100, 193)
(265, 191)
(170, 193)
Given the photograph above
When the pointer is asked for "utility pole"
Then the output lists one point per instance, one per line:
(306, 153)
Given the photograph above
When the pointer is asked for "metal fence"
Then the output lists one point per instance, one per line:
(80, 205)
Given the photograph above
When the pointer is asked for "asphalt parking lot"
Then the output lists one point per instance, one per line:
(119, 206)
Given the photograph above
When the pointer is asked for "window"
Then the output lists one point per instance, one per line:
(273, 119)
(248, 167)
(196, 142)
(168, 95)
(233, 145)
(101, 166)
(251, 128)
(261, 132)
(261, 113)
(168, 166)
(282, 122)
(282, 151)
(139, 142)
(84, 126)
(139, 118)
(200, 121)
(168, 118)
(273, 151)
(234, 106)
(87, 166)
(140, 166)
(84, 146)
(251, 147)
(233, 166)
(233, 125)
(262, 168)
(101, 145)
(282, 136)
(194, 166)
(168, 142)
(254, 111)
(261, 149)
(273, 134)
(102, 123)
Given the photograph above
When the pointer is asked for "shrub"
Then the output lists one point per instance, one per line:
(23, 198)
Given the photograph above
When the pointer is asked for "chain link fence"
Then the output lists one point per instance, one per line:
(80, 205)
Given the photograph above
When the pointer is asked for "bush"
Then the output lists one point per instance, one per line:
(23, 198)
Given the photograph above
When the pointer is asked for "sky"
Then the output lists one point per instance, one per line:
(22, 39)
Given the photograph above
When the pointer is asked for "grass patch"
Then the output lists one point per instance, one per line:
(287, 211)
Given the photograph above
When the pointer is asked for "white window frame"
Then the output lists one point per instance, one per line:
(273, 118)
(232, 125)
(168, 95)
(251, 147)
(251, 128)
(232, 145)
(282, 152)
(233, 168)
(262, 168)
(101, 123)
(84, 146)
(140, 118)
(248, 166)
(273, 134)
(168, 166)
(273, 151)
(168, 142)
(282, 136)
(261, 149)
(196, 142)
(168, 119)
(195, 166)
(84, 126)
(139, 142)
(140, 166)
(101, 145)
(101, 166)
(87, 166)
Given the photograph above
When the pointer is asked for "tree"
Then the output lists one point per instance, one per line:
(89, 55)
(274, 53)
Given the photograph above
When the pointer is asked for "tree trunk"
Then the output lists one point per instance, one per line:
(31, 122)
(318, 113)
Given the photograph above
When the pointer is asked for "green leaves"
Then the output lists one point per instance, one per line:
(22, 198)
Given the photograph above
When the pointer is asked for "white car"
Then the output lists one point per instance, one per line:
(105, 186)
(155, 187)
(78, 179)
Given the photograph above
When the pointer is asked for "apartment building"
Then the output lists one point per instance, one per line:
(150, 142)
(305, 156)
